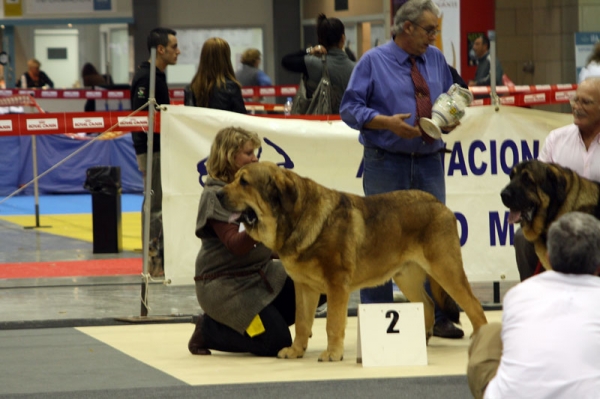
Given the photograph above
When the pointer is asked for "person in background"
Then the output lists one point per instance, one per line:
(247, 297)
(575, 146)
(167, 51)
(381, 101)
(332, 39)
(548, 344)
(35, 77)
(249, 74)
(481, 47)
(349, 52)
(592, 68)
(214, 85)
(91, 78)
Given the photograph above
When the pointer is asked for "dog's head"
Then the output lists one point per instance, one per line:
(263, 197)
(536, 190)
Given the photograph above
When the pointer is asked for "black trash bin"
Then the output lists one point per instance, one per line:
(104, 182)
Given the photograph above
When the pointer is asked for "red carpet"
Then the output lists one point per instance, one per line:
(75, 268)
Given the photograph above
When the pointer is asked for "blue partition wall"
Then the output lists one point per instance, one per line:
(16, 163)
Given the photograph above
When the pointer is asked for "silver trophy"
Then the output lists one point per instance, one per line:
(448, 109)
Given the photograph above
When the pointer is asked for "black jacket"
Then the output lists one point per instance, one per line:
(44, 80)
(227, 98)
(140, 89)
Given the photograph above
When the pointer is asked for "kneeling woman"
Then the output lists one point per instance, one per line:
(247, 298)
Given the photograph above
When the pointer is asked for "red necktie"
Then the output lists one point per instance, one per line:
(422, 98)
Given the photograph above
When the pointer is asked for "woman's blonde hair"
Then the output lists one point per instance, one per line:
(250, 56)
(214, 69)
(228, 142)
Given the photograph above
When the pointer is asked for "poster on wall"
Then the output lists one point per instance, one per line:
(584, 45)
(448, 41)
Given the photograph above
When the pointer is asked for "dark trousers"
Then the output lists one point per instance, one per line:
(277, 317)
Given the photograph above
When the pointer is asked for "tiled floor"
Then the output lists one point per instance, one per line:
(107, 310)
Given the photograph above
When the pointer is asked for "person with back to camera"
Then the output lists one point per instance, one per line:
(483, 77)
(575, 146)
(34, 77)
(214, 85)
(91, 78)
(332, 39)
(548, 344)
(249, 74)
(247, 297)
(383, 102)
(592, 68)
(167, 51)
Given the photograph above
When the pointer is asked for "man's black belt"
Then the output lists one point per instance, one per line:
(419, 154)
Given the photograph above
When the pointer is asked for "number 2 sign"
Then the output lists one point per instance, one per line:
(391, 334)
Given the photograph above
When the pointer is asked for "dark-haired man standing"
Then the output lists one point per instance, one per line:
(167, 51)
(481, 47)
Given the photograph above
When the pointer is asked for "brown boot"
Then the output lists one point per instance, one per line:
(196, 344)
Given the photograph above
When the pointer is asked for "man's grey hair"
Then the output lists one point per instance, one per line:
(574, 244)
(412, 11)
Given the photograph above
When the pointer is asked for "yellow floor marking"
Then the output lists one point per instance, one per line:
(79, 227)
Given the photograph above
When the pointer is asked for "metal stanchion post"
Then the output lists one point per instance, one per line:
(493, 94)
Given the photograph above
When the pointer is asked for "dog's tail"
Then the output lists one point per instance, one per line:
(444, 301)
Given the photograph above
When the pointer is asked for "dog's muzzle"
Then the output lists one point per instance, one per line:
(247, 216)
(515, 215)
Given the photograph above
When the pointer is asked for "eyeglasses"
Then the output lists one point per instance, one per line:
(430, 32)
(584, 102)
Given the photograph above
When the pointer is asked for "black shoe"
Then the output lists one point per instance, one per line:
(447, 329)
(197, 345)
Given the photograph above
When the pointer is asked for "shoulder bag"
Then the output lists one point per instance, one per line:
(320, 103)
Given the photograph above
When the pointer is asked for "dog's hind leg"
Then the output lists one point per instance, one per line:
(307, 300)
(410, 281)
(448, 273)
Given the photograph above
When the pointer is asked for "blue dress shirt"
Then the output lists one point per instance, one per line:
(381, 85)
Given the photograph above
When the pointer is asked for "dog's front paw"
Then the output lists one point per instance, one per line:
(290, 353)
(331, 356)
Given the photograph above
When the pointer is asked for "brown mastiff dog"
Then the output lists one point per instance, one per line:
(334, 243)
(539, 193)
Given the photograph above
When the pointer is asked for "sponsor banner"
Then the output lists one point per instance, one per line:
(133, 122)
(74, 122)
(88, 123)
(264, 91)
(49, 94)
(41, 124)
(483, 149)
(6, 126)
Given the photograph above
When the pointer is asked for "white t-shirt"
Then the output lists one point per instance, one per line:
(551, 339)
(565, 147)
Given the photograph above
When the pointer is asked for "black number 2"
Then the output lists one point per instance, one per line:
(395, 316)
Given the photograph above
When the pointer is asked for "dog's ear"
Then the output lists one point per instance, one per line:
(555, 186)
(285, 188)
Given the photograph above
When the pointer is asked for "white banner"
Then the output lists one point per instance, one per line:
(483, 148)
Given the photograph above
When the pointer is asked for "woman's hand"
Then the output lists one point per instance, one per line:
(316, 50)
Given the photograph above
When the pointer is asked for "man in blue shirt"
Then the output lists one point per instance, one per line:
(380, 102)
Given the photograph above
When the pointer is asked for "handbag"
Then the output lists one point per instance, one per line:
(320, 103)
